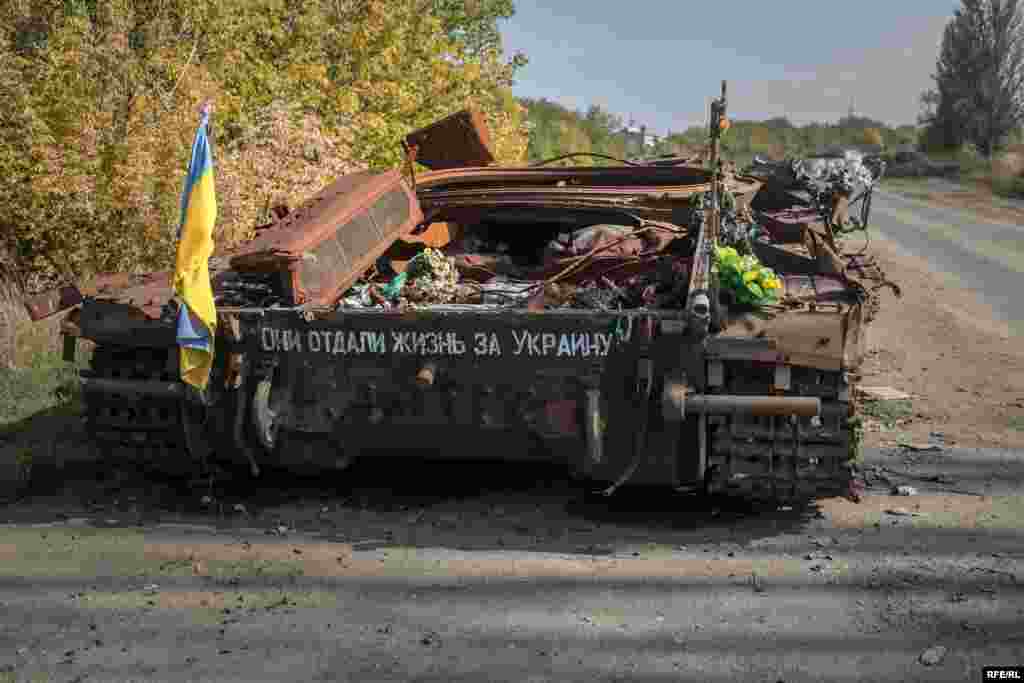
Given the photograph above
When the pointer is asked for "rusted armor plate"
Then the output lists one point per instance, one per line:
(326, 244)
(459, 140)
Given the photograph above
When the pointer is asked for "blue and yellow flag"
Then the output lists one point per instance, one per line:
(197, 317)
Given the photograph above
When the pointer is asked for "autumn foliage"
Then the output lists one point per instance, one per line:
(99, 102)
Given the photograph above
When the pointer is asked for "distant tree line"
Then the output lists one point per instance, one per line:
(978, 97)
(555, 130)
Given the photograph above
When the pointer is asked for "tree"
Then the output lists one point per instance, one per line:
(873, 136)
(603, 127)
(100, 98)
(474, 22)
(979, 77)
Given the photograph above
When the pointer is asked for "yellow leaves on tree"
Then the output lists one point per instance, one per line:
(873, 136)
(104, 97)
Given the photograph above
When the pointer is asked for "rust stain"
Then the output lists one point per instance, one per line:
(332, 239)
(455, 141)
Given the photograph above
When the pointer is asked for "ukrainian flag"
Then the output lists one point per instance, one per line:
(197, 316)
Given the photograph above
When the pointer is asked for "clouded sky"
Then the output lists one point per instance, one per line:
(660, 61)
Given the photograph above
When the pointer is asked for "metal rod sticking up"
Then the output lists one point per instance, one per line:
(699, 304)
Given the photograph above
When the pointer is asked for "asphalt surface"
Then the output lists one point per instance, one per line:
(983, 256)
(486, 571)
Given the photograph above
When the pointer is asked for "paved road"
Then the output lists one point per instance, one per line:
(466, 572)
(984, 256)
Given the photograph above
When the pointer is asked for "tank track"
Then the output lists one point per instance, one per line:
(146, 432)
(785, 459)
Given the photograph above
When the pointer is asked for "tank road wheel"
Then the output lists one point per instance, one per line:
(265, 416)
(301, 452)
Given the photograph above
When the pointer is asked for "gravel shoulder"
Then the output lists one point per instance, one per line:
(961, 362)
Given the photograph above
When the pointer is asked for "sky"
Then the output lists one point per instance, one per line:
(660, 61)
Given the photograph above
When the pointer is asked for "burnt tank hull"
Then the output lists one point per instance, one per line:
(511, 342)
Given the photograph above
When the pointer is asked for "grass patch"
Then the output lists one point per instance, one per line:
(1003, 513)
(72, 552)
(47, 383)
(889, 413)
(1016, 423)
(12, 677)
(975, 513)
(89, 551)
(226, 571)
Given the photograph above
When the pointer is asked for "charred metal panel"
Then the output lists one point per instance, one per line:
(759, 350)
(817, 289)
(621, 177)
(52, 302)
(644, 191)
(147, 292)
(814, 339)
(856, 346)
(330, 241)
(505, 342)
(787, 226)
(459, 140)
(124, 324)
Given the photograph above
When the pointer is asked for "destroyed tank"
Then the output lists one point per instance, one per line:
(573, 314)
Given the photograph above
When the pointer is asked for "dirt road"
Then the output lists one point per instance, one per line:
(956, 351)
(982, 255)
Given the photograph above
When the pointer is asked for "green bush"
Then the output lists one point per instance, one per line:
(1012, 186)
(47, 383)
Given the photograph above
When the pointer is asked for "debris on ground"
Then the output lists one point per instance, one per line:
(933, 655)
(884, 394)
(921, 447)
(856, 490)
(902, 512)
(904, 491)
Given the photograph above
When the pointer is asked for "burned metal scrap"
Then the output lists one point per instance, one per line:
(601, 266)
(603, 309)
(321, 248)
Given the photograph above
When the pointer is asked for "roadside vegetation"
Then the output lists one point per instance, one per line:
(975, 112)
(555, 130)
(104, 98)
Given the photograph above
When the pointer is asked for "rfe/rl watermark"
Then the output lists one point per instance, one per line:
(1002, 673)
